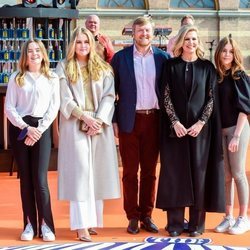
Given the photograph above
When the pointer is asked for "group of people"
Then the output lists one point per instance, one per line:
(184, 108)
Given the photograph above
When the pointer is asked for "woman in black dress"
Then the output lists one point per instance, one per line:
(191, 156)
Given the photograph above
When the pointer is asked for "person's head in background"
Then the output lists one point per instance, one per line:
(187, 19)
(92, 23)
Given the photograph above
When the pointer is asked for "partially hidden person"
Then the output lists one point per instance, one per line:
(234, 95)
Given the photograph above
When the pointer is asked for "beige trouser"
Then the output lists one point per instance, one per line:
(235, 166)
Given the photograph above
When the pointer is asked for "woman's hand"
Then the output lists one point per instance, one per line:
(33, 133)
(29, 142)
(195, 129)
(234, 144)
(92, 122)
(180, 130)
(92, 131)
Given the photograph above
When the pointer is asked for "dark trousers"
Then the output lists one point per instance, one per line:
(196, 222)
(140, 148)
(33, 163)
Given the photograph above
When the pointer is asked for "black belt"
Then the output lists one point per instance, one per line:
(146, 111)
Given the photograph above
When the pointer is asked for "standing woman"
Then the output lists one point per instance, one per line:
(32, 103)
(188, 125)
(234, 94)
(87, 160)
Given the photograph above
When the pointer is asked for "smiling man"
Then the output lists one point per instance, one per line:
(137, 72)
(104, 45)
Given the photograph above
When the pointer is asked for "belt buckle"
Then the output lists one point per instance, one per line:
(147, 112)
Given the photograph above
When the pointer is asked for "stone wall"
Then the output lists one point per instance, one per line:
(212, 24)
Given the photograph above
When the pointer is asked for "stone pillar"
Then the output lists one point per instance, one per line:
(87, 4)
(228, 5)
(159, 4)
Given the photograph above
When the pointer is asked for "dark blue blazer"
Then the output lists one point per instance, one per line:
(125, 85)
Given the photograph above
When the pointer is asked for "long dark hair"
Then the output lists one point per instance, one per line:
(237, 63)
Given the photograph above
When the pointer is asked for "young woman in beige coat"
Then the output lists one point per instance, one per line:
(87, 161)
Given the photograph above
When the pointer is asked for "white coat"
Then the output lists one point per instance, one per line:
(77, 152)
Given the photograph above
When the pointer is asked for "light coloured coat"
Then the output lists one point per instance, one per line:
(77, 151)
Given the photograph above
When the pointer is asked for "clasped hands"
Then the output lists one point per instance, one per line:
(33, 135)
(193, 131)
(94, 124)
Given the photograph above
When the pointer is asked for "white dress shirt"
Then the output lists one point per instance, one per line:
(37, 98)
(145, 76)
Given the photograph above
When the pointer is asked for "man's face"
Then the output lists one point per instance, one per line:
(188, 21)
(93, 25)
(143, 35)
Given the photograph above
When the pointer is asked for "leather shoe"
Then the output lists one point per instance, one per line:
(195, 234)
(185, 226)
(174, 234)
(133, 226)
(148, 225)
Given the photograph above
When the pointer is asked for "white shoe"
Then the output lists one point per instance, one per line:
(28, 233)
(225, 225)
(241, 226)
(48, 235)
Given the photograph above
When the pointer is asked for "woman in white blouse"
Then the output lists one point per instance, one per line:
(32, 103)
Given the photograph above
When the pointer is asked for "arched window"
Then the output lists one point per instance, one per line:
(122, 4)
(244, 4)
(193, 4)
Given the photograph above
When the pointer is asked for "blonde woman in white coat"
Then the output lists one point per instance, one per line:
(87, 161)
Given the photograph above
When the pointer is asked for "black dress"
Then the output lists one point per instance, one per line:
(192, 173)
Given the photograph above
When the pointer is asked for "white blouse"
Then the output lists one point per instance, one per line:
(37, 98)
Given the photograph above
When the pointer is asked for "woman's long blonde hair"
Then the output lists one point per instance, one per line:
(96, 65)
(237, 63)
(23, 66)
(178, 50)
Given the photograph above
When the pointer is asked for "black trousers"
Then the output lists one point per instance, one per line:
(196, 222)
(33, 163)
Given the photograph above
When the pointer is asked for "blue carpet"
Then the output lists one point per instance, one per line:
(152, 243)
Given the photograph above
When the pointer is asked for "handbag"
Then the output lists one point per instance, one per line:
(83, 126)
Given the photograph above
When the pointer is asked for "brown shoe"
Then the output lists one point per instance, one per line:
(133, 226)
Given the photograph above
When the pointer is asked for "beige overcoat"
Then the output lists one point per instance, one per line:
(78, 152)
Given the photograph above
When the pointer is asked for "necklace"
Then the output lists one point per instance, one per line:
(187, 64)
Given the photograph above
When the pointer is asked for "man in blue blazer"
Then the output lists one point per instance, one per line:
(137, 71)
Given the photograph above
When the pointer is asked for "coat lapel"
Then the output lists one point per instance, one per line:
(129, 57)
